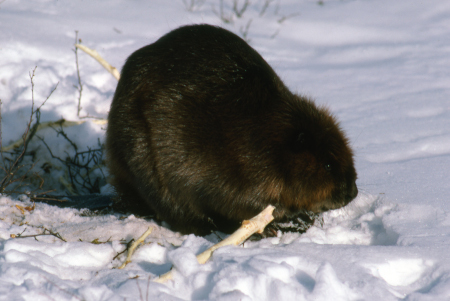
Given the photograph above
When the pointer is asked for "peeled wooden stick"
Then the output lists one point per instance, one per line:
(134, 246)
(248, 227)
(101, 60)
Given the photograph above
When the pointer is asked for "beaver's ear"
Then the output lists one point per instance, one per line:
(299, 143)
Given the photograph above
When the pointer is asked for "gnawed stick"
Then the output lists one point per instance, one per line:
(135, 245)
(102, 61)
(248, 227)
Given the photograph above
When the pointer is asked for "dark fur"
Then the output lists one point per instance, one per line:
(205, 134)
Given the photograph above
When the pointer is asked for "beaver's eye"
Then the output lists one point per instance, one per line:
(327, 167)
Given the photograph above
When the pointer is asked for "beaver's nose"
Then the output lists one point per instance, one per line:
(352, 192)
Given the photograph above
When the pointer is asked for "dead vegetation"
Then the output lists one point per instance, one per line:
(22, 172)
(18, 177)
(244, 13)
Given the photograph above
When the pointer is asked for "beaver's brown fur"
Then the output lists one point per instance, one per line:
(203, 133)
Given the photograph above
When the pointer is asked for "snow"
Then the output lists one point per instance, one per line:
(382, 67)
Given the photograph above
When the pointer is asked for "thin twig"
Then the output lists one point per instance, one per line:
(240, 12)
(193, 3)
(80, 85)
(275, 34)
(126, 249)
(30, 131)
(244, 30)
(55, 234)
(13, 168)
(61, 132)
(148, 287)
(1, 146)
(80, 166)
(139, 288)
(265, 6)
(284, 18)
(221, 13)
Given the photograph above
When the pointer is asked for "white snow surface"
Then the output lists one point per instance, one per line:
(381, 66)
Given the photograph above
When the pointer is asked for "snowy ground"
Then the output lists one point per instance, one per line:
(383, 68)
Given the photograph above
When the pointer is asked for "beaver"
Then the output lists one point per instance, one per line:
(203, 133)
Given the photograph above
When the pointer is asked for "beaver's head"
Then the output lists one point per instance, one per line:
(312, 158)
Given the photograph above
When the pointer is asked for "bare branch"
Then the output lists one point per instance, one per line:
(193, 4)
(275, 34)
(240, 12)
(284, 18)
(80, 167)
(244, 30)
(16, 176)
(46, 232)
(126, 249)
(221, 14)
(80, 85)
(1, 145)
(265, 6)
